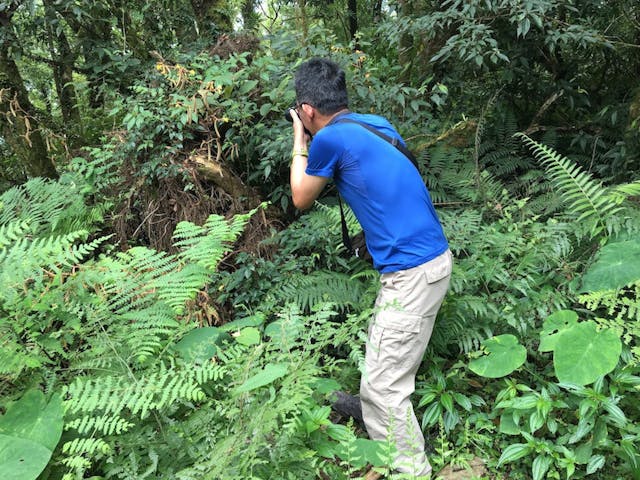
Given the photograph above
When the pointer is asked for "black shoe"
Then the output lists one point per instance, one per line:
(348, 405)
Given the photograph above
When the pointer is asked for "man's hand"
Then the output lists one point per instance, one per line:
(301, 136)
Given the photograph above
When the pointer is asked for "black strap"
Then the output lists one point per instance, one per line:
(346, 241)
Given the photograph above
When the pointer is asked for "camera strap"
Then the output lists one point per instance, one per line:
(346, 241)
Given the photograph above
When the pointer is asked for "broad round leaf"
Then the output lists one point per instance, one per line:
(35, 419)
(504, 355)
(582, 353)
(22, 459)
(617, 264)
(553, 325)
(29, 432)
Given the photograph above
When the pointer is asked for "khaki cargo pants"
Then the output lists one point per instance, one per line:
(399, 333)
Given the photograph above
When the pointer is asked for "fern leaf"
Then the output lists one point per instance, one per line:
(86, 446)
(107, 425)
(586, 198)
(619, 193)
(308, 290)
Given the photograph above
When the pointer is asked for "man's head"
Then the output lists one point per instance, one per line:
(321, 83)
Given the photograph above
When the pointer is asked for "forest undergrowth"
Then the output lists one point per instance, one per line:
(167, 314)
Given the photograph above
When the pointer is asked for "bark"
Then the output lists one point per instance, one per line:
(18, 120)
(405, 49)
(303, 24)
(352, 13)
(213, 171)
(63, 60)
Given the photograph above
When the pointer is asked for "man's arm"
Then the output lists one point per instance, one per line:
(304, 188)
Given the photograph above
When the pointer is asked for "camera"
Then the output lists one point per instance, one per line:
(287, 117)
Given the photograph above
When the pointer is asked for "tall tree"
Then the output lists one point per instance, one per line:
(63, 61)
(19, 121)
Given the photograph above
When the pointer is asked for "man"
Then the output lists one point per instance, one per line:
(403, 235)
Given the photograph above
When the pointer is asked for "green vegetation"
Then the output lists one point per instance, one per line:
(165, 313)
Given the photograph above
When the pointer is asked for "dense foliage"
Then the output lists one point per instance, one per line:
(166, 313)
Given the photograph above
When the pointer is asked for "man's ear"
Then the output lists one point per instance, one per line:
(309, 110)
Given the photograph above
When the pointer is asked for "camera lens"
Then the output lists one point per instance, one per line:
(287, 115)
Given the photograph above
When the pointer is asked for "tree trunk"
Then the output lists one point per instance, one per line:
(405, 48)
(18, 123)
(63, 61)
(352, 12)
(303, 25)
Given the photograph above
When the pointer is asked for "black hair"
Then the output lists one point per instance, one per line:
(322, 84)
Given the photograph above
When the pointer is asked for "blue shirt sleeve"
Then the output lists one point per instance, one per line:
(324, 154)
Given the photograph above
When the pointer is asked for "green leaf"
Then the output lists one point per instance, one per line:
(22, 459)
(200, 344)
(540, 466)
(553, 325)
(251, 321)
(514, 452)
(536, 421)
(616, 265)
(326, 385)
(463, 401)
(431, 415)
(247, 86)
(582, 353)
(447, 401)
(248, 336)
(268, 375)
(339, 433)
(369, 451)
(596, 462)
(266, 108)
(616, 415)
(504, 355)
(29, 432)
(583, 453)
(508, 424)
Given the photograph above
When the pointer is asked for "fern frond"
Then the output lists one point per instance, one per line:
(12, 231)
(156, 391)
(306, 291)
(50, 206)
(149, 328)
(207, 244)
(620, 193)
(106, 425)
(182, 285)
(89, 446)
(586, 198)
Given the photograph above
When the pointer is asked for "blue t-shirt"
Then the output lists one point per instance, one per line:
(384, 190)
